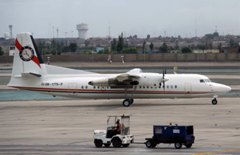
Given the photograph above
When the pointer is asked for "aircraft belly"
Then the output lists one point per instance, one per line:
(123, 95)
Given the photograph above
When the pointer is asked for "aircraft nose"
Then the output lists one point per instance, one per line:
(221, 88)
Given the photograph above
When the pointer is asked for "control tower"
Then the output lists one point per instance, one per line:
(82, 30)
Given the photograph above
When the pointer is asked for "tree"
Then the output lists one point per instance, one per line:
(143, 46)
(1, 51)
(186, 50)
(73, 47)
(151, 46)
(86, 42)
(220, 48)
(163, 48)
(120, 43)
(232, 43)
(201, 47)
(114, 44)
(148, 36)
(65, 49)
(132, 50)
(135, 36)
(215, 35)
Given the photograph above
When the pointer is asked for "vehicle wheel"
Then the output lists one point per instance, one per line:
(116, 142)
(125, 145)
(214, 101)
(107, 145)
(98, 142)
(126, 103)
(188, 145)
(150, 144)
(178, 145)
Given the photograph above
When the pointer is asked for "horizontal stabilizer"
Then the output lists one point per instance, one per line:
(30, 75)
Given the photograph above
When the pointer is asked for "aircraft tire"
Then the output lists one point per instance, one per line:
(214, 101)
(126, 102)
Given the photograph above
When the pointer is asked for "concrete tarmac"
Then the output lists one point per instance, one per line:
(66, 126)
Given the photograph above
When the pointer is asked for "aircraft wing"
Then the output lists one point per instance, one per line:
(127, 79)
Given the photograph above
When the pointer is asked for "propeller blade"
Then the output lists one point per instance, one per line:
(164, 72)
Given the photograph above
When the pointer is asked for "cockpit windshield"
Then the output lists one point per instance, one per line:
(204, 80)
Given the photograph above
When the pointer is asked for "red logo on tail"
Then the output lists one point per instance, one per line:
(26, 53)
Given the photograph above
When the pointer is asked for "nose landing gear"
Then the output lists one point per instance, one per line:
(214, 101)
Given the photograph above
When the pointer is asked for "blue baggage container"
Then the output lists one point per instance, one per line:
(179, 135)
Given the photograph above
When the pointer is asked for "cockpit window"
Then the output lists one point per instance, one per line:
(204, 80)
(207, 80)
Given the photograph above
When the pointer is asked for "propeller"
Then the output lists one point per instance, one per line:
(164, 72)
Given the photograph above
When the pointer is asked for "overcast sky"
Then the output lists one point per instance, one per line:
(155, 17)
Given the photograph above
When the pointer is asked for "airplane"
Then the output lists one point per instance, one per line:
(30, 73)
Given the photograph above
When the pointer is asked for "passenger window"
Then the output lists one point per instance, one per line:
(175, 86)
(82, 87)
(171, 87)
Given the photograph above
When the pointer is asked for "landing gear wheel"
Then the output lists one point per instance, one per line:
(178, 145)
(214, 101)
(98, 143)
(116, 142)
(127, 102)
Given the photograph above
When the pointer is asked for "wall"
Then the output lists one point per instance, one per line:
(166, 57)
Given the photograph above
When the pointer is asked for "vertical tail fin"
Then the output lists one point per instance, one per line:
(27, 58)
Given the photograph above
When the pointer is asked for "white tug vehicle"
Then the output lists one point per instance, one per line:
(117, 132)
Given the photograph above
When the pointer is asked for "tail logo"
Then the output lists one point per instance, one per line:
(26, 53)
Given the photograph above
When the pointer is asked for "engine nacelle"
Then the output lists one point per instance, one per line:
(112, 82)
(99, 82)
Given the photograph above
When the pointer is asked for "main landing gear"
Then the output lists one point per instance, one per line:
(127, 102)
(214, 101)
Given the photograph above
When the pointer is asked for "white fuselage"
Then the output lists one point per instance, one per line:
(150, 86)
